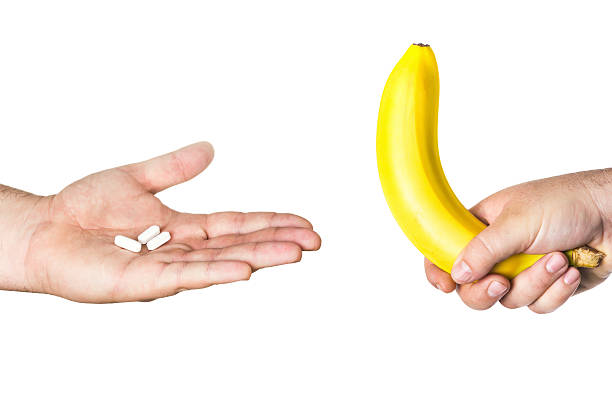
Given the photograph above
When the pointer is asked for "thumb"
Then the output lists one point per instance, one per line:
(506, 236)
(167, 170)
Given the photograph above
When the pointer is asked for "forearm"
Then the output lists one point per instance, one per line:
(20, 215)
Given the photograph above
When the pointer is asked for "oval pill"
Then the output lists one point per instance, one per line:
(127, 243)
(148, 234)
(158, 241)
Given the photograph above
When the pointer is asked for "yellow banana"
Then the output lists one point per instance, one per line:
(410, 171)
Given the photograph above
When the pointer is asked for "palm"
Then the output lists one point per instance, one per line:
(74, 255)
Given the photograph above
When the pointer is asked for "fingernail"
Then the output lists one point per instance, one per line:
(556, 263)
(438, 286)
(461, 273)
(571, 276)
(496, 289)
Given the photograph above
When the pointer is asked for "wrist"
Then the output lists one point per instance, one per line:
(599, 185)
(21, 214)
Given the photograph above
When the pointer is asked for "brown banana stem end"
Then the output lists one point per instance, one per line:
(585, 257)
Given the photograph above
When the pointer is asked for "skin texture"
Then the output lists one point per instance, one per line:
(538, 217)
(63, 244)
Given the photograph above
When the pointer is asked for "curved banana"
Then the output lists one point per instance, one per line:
(409, 166)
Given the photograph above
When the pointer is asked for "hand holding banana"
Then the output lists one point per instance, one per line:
(448, 234)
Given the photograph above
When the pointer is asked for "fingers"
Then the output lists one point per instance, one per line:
(148, 279)
(498, 241)
(557, 294)
(534, 281)
(228, 228)
(178, 276)
(484, 293)
(306, 238)
(257, 255)
(479, 295)
(204, 226)
(241, 223)
(543, 287)
(170, 169)
(170, 271)
(438, 278)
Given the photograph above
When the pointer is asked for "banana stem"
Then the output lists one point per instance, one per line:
(585, 257)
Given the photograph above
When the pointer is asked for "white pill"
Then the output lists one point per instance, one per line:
(127, 243)
(158, 241)
(149, 233)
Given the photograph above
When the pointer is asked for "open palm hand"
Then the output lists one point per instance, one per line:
(72, 253)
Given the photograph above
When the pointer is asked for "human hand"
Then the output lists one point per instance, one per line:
(68, 247)
(539, 217)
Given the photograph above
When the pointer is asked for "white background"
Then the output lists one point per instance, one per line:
(288, 93)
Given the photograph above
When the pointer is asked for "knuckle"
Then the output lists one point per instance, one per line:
(296, 255)
(515, 208)
(484, 244)
(536, 280)
(561, 298)
(479, 306)
(177, 254)
(216, 253)
(540, 282)
(510, 303)
(178, 166)
(475, 300)
(539, 309)
(254, 248)
(207, 275)
(180, 274)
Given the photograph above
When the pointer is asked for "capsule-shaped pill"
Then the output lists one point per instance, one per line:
(148, 234)
(127, 243)
(158, 241)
